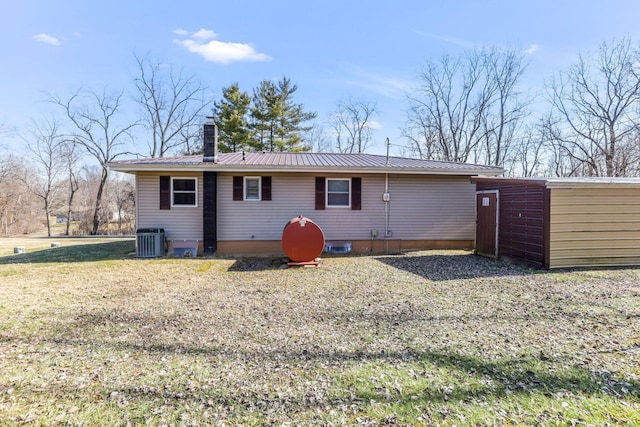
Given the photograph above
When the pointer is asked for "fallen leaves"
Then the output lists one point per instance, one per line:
(428, 337)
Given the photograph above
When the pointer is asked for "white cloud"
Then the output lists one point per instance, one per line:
(181, 32)
(222, 52)
(374, 124)
(203, 34)
(533, 48)
(46, 38)
(217, 51)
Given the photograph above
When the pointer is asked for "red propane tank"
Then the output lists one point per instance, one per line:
(302, 240)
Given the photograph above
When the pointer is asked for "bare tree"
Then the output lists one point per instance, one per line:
(352, 125)
(173, 105)
(467, 106)
(123, 199)
(509, 106)
(8, 191)
(629, 156)
(597, 104)
(42, 178)
(317, 138)
(70, 157)
(421, 134)
(528, 152)
(93, 115)
(4, 128)
(193, 140)
(20, 211)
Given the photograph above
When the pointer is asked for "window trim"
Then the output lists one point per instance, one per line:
(245, 187)
(193, 178)
(327, 192)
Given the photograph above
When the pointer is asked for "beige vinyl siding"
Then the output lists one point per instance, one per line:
(432, 208)
(178, 222)
(594, 227)
(421, 208)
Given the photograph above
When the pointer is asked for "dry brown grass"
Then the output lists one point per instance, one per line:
(439, 337)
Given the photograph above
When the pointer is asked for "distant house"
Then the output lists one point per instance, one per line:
(559, 222)
(239, 203)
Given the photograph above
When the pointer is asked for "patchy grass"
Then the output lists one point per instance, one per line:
(70, 249)
(90, 336)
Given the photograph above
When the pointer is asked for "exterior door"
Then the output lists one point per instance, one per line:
(487, 223)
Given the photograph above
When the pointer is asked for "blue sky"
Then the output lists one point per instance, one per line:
(331, 49)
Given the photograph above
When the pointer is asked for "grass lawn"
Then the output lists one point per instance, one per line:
(89, 335)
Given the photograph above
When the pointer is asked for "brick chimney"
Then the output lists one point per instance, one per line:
(210, 143)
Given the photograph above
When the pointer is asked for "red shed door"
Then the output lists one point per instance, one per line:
(487, 223)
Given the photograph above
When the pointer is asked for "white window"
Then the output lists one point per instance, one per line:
(252, 188)
(184, 192)
(338, 193)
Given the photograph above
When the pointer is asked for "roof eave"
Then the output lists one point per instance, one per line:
(129, 168)
(592, 184)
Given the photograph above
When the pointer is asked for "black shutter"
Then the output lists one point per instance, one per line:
(238, 184)
(356, 194)
(266, 188)
(320, 196)
(165, 192)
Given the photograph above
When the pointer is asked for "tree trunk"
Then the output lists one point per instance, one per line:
(610, 154)
(48, 215)
(69, 210)
(96, 212)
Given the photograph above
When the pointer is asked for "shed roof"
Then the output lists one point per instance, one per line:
(572, 182)
(304, 162)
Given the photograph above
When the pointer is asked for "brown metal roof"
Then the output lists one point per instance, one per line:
(285, 161)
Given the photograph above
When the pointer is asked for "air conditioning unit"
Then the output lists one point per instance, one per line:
(149, 242)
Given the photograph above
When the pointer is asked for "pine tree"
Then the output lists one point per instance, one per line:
(276, 119)
(234, 133)
(263, 115)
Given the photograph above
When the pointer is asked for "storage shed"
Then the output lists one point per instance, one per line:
(559, 222)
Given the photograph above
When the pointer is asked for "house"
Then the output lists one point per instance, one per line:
(239, 203)
(559, 222)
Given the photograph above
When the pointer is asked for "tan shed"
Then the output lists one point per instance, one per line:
(559, 222)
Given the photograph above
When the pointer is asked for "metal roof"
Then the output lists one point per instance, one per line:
(304, 162)
(568, 182)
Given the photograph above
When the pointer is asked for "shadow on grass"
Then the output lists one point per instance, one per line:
(76, 253)
(405, 378)
(437, 267)
(257, 264)
(400, 378)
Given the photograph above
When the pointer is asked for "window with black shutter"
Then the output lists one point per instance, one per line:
(338, 193)
(251, 188)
